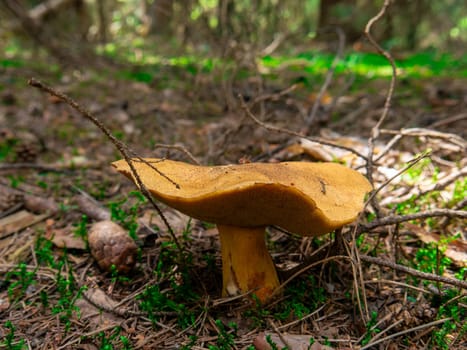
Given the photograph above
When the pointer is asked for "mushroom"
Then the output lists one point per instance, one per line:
(305, 198)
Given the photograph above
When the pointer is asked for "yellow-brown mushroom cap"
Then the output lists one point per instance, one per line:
(301, 197)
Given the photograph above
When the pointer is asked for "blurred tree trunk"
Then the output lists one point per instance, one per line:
(419, 9)
(161, 13)
(103, 27)
(338, 13)
(59, 26)
(225, 13)
(184, 25)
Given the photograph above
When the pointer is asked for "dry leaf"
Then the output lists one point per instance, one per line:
(18, 221)
(176, 220)
(65, 238)
(94, 314)
(294, 342)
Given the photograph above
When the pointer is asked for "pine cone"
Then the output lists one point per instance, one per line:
(112, 247)
(28, 147)
(26, 152)
(24, 146)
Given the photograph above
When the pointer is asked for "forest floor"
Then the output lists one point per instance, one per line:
(56, 181)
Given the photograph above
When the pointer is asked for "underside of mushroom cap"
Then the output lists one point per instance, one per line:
(301, 197)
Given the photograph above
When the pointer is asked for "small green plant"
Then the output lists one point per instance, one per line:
(114, 339)
(115, 276)
(191, 343)
(6, 148)
(42, 184)
(257, 313)
(44, 298)
(460, 190)
(127, 217)
(153, 301)
(9, 340)
(431, 258)
(15, 181)
(20, 279)
(44, 252)
(81, 230)
(450, 305)
(68, 293)
(304, 296)
(272, 344)
(226, 337)
(371, 330)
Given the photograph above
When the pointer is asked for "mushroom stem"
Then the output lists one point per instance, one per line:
(246, 263)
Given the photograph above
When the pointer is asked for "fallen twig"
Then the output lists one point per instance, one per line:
(413, 272)
(420, 132)
(382, 340)
(397, 219)
(294, 133)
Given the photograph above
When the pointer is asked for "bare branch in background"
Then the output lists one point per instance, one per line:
(387, 105)
(329, 75)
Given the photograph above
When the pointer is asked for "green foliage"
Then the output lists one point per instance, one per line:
(304, 296)
(178, 292)
(226, 337)
(155, 302)
(257, 313)
(7, 148)
(371, 330)
(15, 181)
(460, 191)
(68, 293)
(81, 229)
(7, 63)
(451, 304)
(421, 64)
(9, 342)
(431, 258)
(19, 280)
(190, 344)
(272, 344)
(115, 276)
(114, 340)
(44, 252)
(414, 173)
(127, 217)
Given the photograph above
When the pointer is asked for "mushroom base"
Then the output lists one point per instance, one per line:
(246, 262)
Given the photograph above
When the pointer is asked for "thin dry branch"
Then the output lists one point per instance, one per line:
(423, 275)
(179, 148)
(421, 132)
(410, 164)
(378, 261)
(387, 105)
(248, 113)
(397, 219)
(398, 334)
(124, 150)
